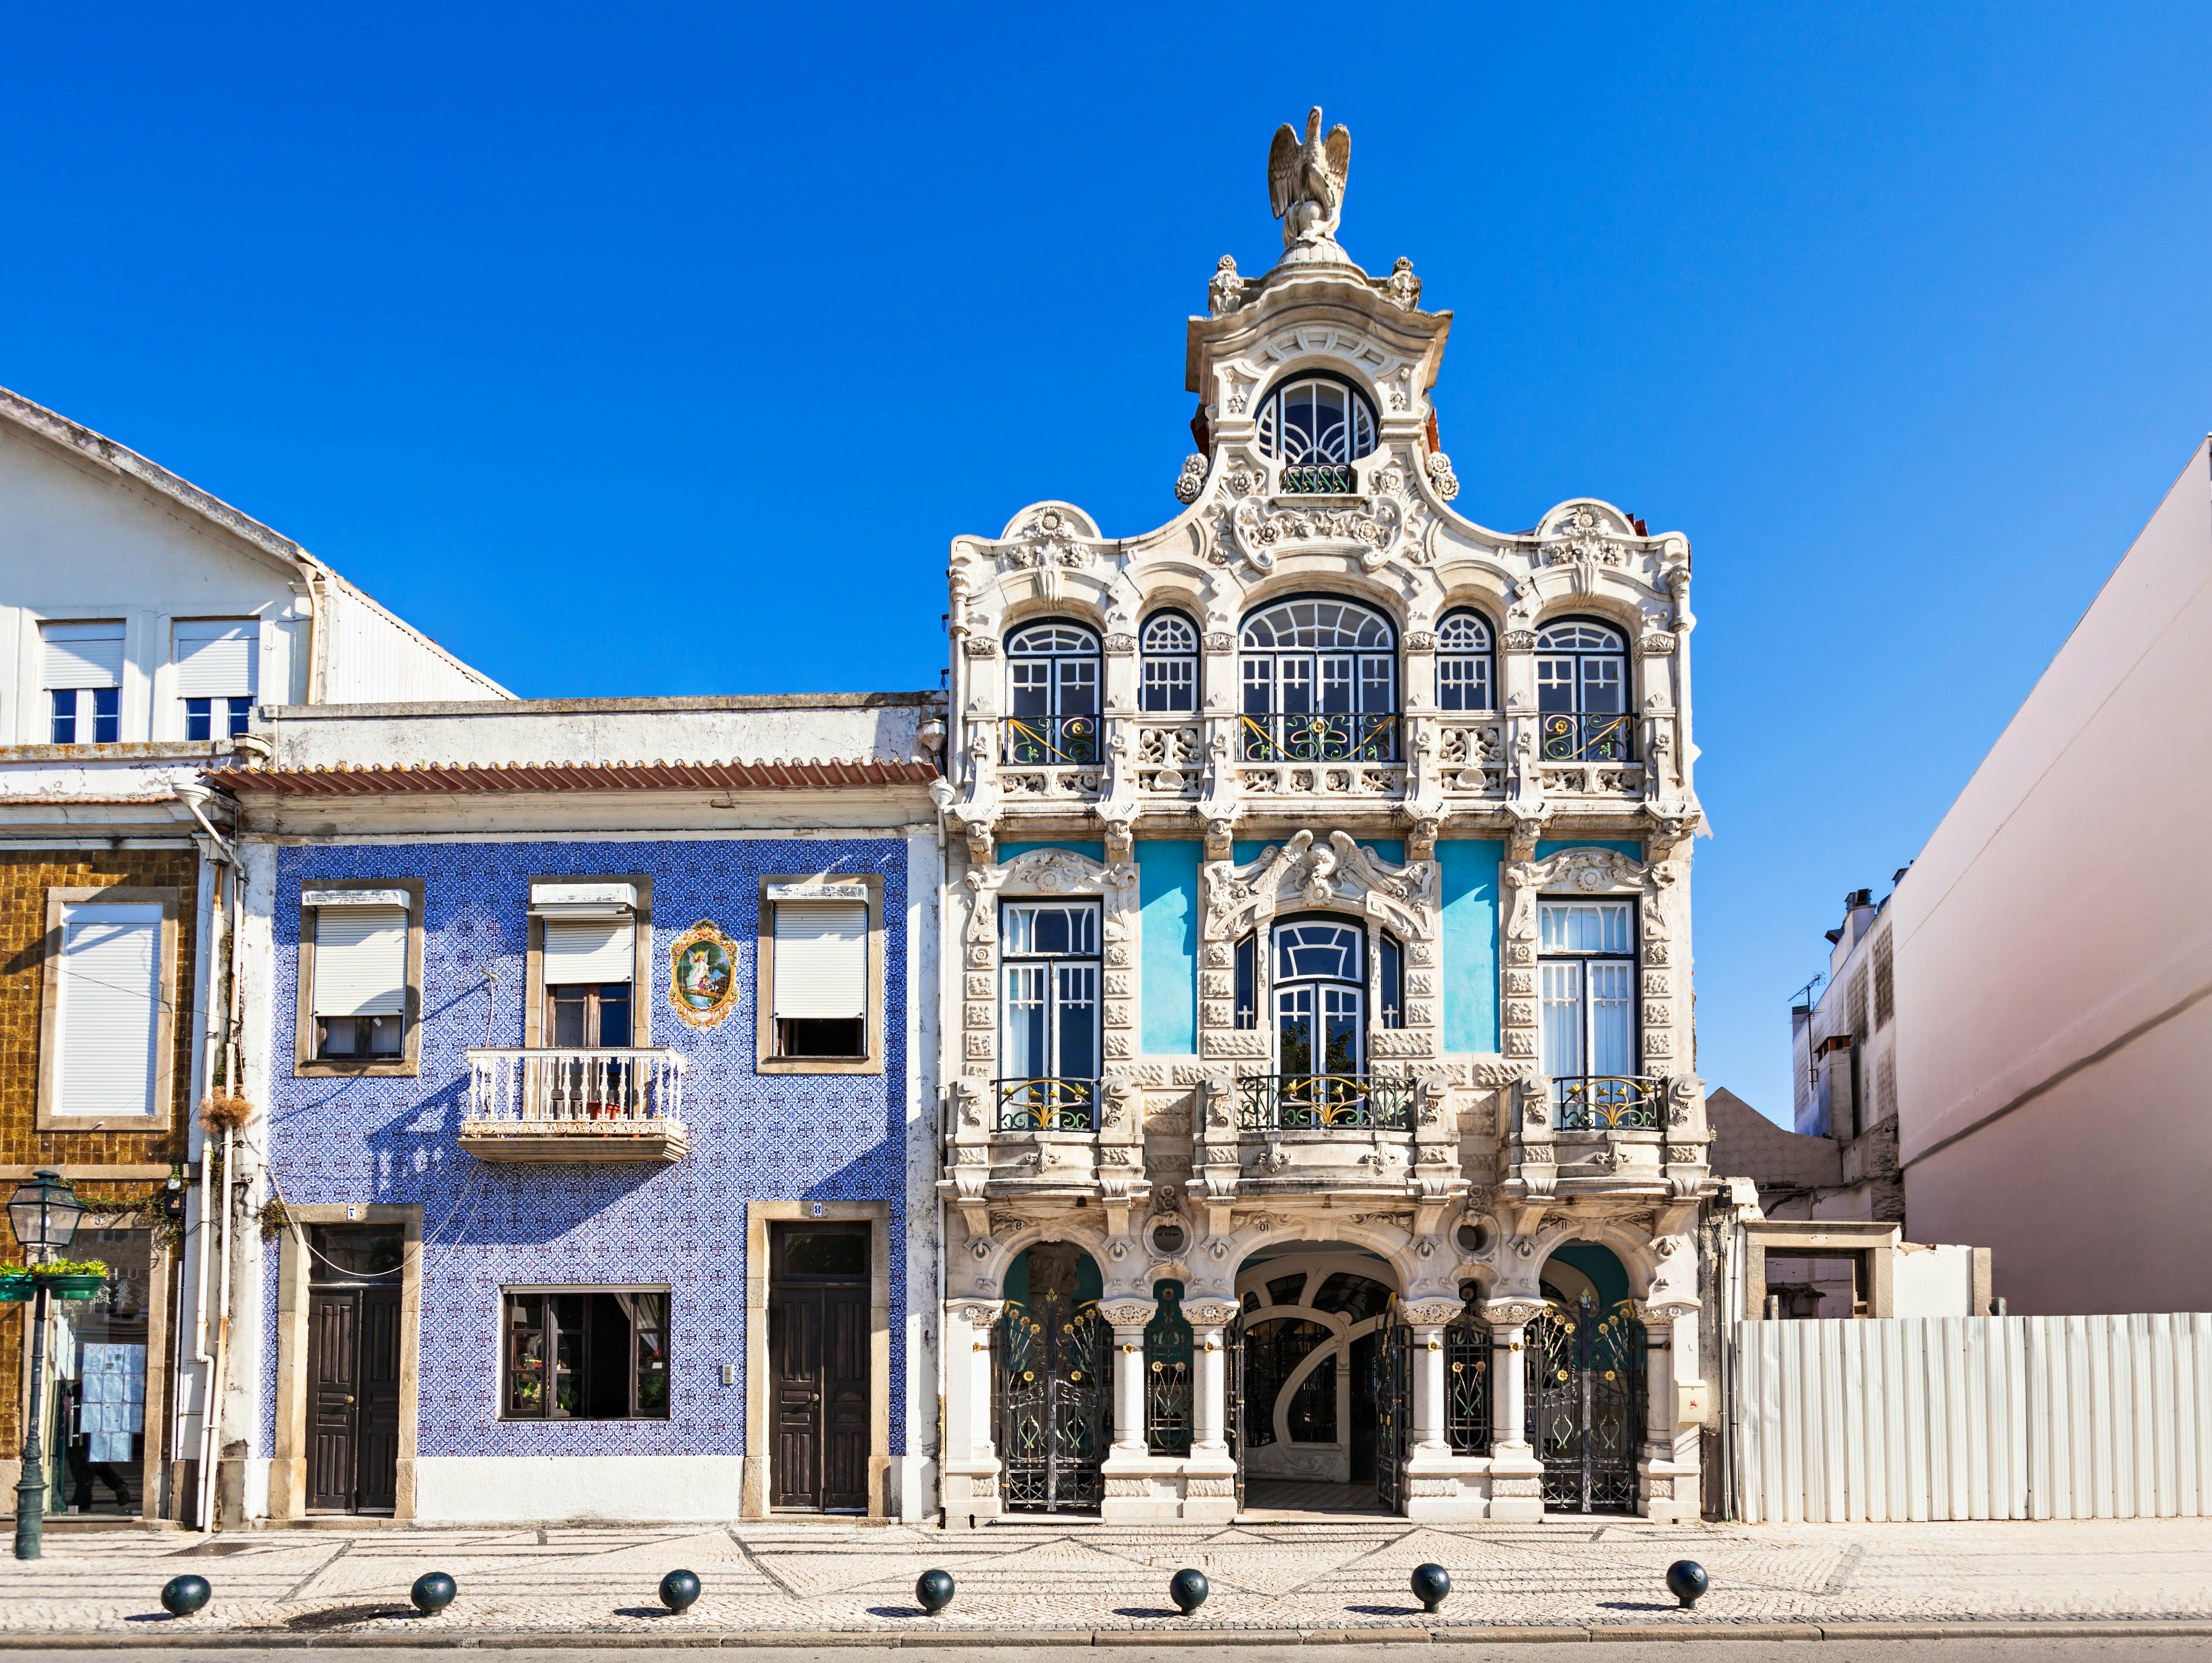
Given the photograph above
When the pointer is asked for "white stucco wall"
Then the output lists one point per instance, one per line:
(2054, 950)
(825, 727)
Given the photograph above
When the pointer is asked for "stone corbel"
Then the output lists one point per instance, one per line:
(1422, 819)
(1430, 1313)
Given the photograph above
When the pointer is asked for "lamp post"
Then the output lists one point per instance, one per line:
(44, 1214)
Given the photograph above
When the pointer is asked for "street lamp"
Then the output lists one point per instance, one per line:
(44, 1214)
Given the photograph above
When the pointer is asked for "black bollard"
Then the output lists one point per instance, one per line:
(183, 1595)
(933, 1591)
(1431, 1585)
(432, 1593)
(1188, 1590)
(679, 1589)
(1686, 1580)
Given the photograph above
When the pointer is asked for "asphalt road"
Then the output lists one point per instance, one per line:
(1691, 1648)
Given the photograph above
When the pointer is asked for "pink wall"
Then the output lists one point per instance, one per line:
(2051, 943)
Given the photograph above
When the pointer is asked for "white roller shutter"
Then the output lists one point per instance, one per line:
(108, 1009)
(589, 949)
(215, 660)
(820, 959)
(360, 961)
(82, 655)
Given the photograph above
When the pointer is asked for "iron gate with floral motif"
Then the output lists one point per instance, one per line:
(1394, 1405)
(1586, 1406)
(1052, 1393)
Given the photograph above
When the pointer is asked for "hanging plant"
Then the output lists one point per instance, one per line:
(275, 1219)
(226, 1112)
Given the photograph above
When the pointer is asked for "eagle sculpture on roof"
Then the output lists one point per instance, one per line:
(1305, 180)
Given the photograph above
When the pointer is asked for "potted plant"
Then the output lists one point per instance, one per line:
(71, 1279)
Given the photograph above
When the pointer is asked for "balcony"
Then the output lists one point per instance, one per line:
(1609, 1103)
(1589, 753)
(1318, 754)
(574, 1105)
(1046, 1104)
(1049, 756)
(1325, 1102)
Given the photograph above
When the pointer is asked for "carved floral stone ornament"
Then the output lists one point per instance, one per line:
(1441, 477)
(1226, 292)
(1192, 480)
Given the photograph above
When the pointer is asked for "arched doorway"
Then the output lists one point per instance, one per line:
(1586, 1382)
(1052, 1374)
(1319, 1415)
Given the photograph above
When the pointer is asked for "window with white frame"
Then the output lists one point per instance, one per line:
(81, 676)
(107, 1010)
(588, 962)
(215, 664)
(1582, 692)
(1320, 683)
(1169, 652)
(1052, 694)
(1320, 996)
(820, 975)
(1464, 664)
(1586, 956)
(1049, 1022)
(360, 973)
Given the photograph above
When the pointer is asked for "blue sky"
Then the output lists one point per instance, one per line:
(610, 344)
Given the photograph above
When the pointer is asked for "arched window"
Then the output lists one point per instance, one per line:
(1169, 654)
(1465, 680)
(1052, 695)
(1582, 692)
(1317, 426)
(1320, 684)
(1320, 997)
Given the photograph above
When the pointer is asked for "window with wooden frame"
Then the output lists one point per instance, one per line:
(819, 968)
(584, 934)
(583, 1354)
(360, 977)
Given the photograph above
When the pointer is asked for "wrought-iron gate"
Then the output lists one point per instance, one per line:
(1393, 1409)
(1586, 1406)
(1233, 1337)
(1052, 1390)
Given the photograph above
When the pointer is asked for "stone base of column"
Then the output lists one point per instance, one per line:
(1443, 1488)
(1151, 1488)
(971, 1492)
(1516, 1482)
(1209, 1487)
(1668, 1491)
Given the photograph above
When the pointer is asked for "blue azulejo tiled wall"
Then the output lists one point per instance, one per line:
(753, 1136)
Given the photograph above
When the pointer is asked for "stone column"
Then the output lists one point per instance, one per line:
(1517, 1477)
(971, 1464)
(1434, 1486)
(1668, 1483)
(1129, 1318)
(1210, 1474)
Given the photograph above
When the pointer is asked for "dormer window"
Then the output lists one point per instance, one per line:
(1317, 426)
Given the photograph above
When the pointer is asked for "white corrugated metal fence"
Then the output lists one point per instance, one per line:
(1973, 1418)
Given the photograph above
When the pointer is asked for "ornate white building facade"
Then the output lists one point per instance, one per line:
(1322, 1099)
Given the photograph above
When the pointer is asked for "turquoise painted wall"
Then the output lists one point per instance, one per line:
(1167, 901)
(1095, 851)
(1469, 874)
(1629, 847)
(1598, 1263)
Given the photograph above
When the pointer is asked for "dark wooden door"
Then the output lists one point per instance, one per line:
(818, 1359)
(353, 1373)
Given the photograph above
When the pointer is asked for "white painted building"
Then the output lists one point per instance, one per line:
(143, 626)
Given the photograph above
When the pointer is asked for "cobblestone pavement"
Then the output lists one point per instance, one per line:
(801, 1578)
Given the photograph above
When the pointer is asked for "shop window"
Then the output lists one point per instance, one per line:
(594, 1353)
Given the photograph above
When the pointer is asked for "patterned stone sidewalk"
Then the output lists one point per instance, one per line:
(807, 1578)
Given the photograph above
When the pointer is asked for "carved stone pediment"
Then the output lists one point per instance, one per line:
(1310, 871)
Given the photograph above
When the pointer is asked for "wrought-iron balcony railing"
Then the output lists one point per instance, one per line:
(1050, 741)
(1318, 479)
(1317, 736)
(1586, 737)
(1048, 1103)
(1325, 1103)
(570, 1103)
(1609, 1103)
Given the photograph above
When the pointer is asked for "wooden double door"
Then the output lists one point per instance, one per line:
(818, 1310)
(352, 1371)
